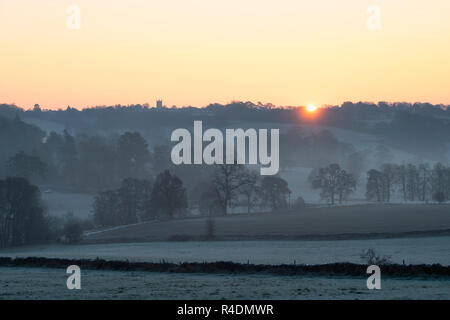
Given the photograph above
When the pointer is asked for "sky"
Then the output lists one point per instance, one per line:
(196, 52)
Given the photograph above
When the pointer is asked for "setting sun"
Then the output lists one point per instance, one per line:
(311, 108)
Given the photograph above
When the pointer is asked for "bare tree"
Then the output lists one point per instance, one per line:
(332, 181)
(251, 190)
(274, 192)
(227, 181)
(168, 195)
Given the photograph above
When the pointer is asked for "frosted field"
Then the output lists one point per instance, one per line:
(38, 283)
(426, 250)
(59, 203)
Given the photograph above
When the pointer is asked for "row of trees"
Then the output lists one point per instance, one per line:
(90, 162)
(409, 182)
(165, 198)
(22, 218)
(235, 185)
(140, 199)
(406, 182)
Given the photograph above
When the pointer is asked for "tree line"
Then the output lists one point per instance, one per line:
(410, 182)
(407, 182)
(166, 197)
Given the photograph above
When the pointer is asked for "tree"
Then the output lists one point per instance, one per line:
(250, 190)
(440, 181)
(69, 159)
(207, 200)
(22, 218)
(161, 158)
(332, 181)
(73, 229)
(227, 181)
(374, 186)
(133, 154)
(25, 166)
(105, 208)
(274, 192)
(425, 179)
(388, 178)
(412, 182)
(345, 185)
(168, 195)
(401, 179)
(130, 203)
(299, 203)
(135, 200)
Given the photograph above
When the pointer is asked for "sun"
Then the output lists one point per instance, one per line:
(311, 108)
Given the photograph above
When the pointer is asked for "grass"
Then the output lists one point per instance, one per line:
(359, 221)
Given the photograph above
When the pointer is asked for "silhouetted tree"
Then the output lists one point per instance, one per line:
(274, 192)
(208, 201)
(22, 219)
(425, 181)
(388, 179)
(133, 154)
(105, 207)
(73, 229)
(135, 200)
(299, 203)
(251, 189)
(227, 181)
(374, 186)
(130, 203)
(168, 195)
(345, 185)
(161, 158)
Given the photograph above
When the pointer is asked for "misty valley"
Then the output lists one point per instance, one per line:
(336, 189)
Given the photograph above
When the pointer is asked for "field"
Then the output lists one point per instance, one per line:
(59, 203)
(426, 250)
(38, 283)
(410, 234)
(345, 222)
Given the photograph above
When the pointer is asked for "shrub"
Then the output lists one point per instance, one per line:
(371, 257)
(299, 203)
(439, 196)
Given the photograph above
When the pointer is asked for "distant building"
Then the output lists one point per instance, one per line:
(159, 104)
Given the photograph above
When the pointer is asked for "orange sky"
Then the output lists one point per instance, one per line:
(194, 52)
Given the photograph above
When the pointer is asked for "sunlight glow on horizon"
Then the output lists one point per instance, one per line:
(199, 52)
(311, 108)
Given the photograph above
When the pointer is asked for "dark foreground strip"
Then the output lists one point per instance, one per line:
(332, 269)
(223, 309)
